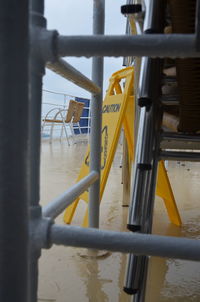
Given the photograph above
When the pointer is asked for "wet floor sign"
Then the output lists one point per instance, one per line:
(118, 112)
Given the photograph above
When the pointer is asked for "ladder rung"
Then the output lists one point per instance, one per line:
(177, 155)
(168, 79)
(170, 100)
(180, 137)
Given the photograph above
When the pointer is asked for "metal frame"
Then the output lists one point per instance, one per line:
(19, 186)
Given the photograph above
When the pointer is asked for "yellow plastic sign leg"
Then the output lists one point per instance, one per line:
(113, 111)
(164, 190)
(69, 212)
(128, 124)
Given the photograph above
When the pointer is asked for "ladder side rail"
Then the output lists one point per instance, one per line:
(146, 161)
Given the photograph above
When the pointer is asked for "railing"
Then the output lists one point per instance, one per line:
(24, 231)
(48, 103)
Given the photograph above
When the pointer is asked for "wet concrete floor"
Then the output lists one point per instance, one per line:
(67, 274)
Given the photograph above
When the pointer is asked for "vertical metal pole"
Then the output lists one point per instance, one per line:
(14, 41)
(96, 107)
(37, 70)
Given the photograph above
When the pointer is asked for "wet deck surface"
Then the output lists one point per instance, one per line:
(68, 274)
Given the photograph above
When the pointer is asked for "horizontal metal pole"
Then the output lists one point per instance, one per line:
(169, 79)
(68, 72)
(151, 45)
(138, 244)
(180, 137)
(58, 205)
(179, 145)
(170, 100)
(177, 155)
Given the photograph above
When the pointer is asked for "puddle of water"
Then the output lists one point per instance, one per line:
(67, 275)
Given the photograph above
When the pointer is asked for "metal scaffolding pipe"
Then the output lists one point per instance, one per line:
(96, 117)
(135, 243)
(151, 45)
(37, 70)
(59, 204)
(68, 72)
(14, 160)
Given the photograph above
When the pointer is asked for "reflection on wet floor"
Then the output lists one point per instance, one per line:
(68, 274)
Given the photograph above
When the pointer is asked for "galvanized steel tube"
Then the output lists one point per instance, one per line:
(151, 45)
(67, 71)
(60, 203)
(96, 118)
(14, 160)
(138, 244)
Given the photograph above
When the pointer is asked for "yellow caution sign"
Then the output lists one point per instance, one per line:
(118, 111)
(113, 111)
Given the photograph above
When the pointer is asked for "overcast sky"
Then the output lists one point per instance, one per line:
(74, 17)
